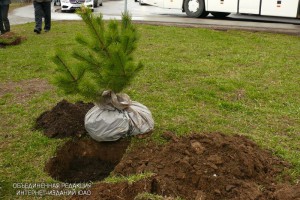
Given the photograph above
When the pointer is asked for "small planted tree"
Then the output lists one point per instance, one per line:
(107, 61)
(103, 70)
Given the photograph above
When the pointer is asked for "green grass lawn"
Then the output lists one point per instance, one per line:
(194, 80)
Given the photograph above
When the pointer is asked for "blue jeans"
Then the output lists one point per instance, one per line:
(42, 9)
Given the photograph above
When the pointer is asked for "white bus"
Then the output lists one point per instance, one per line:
(222, 8)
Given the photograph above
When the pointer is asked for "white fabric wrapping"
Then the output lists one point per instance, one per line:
(117, 116)
(106, 124)
(140, 118)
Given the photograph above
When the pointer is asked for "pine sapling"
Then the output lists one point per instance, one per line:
(106, 63)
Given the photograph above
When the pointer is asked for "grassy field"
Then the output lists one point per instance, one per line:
(194, 80)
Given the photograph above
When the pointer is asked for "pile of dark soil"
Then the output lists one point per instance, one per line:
(64, 120)
(210, 167)
(10, 38)
(196, 167)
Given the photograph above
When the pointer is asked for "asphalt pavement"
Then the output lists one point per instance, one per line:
(154, 15)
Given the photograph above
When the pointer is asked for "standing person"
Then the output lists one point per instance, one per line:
(42, 8)
(1, 23)
(5, 26)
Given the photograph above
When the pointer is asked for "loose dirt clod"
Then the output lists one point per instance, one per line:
(64, 120)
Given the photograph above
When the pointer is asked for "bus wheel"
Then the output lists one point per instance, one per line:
(195, 8)
(220, 14)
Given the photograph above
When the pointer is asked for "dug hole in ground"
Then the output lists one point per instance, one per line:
(209, 166)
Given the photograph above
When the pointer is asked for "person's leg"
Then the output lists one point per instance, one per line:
(1, 22)
(38, 15)
(5, 9)
(47, 12)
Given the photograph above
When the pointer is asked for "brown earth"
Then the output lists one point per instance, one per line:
(84, 160)
(210, 166)
(64, 120)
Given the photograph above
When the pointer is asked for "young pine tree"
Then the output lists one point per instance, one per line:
(106, 64)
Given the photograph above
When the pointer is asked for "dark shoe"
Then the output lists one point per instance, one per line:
(47, 30)
(37, 31)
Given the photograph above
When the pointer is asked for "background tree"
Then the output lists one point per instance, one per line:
(106, 64)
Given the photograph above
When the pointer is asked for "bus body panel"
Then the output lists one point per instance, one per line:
(222, 5)
(249, 6)
(280, 8)
(158, 3)
(176, 4)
